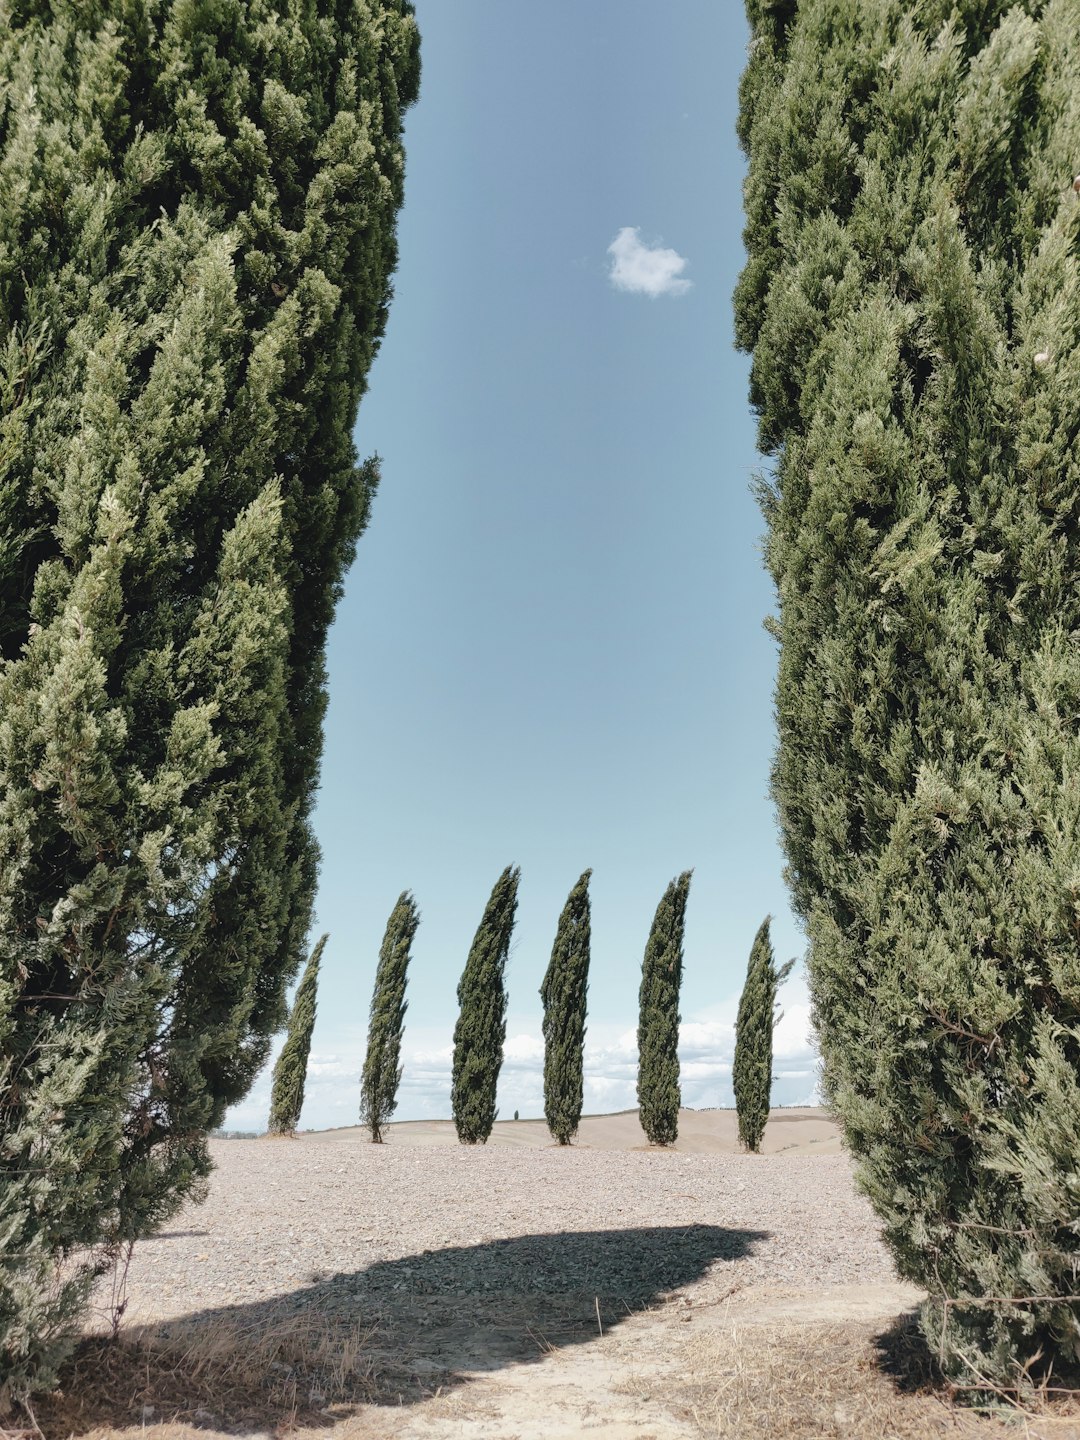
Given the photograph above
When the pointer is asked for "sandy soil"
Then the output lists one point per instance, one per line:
(701, 1132)
(426, 1290)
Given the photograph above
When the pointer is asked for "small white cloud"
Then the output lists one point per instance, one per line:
(645, 269)
(523, 1051)
(793, 1038)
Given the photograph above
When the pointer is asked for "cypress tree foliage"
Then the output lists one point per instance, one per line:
(564, 992)
(290, 1072)
(658, 1091)
(382, 1069)
(197, 210)
(481, 1023)
(751, 1072)
(912, 299)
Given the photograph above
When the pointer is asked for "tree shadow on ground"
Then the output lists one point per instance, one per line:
(394, 1333)
(173, 1235)
(903, 1355)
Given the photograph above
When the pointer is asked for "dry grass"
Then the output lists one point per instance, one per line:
(775, 1377)
(212, 1375)
(794, 1381)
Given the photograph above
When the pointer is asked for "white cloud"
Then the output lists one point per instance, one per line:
(523, 1051)
(789, 1037)
(645, 269)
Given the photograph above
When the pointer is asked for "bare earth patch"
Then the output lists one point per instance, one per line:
(332, 1287)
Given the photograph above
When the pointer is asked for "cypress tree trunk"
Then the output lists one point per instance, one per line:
(481, 1023)
(382, 1069)
(658, 1024)
(290, 1072)
(197, 210)
(751, 1072)
(564, 992)
(912, 299)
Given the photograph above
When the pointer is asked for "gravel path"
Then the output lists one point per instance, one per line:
(490, 1292)
(368, 1230)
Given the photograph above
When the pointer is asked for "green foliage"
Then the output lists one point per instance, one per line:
(751, 1072)
(658, 1017)
(197, 210)
(382, 1069)
(481, 1023)
(290, 1072)
(564, 992)
(912, 298)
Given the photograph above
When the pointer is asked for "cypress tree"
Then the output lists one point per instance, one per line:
(912, 300)
(658, 1023)
(382, 1069)
(751, 1072)
(197, 211)
(290, 1072)
(481, 1023)
(563, 992)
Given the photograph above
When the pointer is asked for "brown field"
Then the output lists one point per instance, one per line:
(701, 1132)
(333, 1288)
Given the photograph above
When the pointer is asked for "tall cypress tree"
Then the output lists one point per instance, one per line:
(912, 299)
(481, 1023)
(290, 1072)
(197, 211)
(658, 1023)
(751, 1072)
(382, 1068)
(564, 992)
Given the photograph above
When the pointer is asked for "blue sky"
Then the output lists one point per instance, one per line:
(550, 652)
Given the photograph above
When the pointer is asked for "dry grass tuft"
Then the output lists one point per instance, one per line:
(793, 1381)
(212, 1375)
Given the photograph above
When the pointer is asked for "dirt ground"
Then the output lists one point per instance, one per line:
(331, 1288)
(798, 1130)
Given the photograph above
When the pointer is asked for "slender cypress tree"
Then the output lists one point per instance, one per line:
(382, 1068)
(481, 1023)
(912, 299)
(564, 993)
(197, 212)
(658, 1023)
(290, 1072)
(751, 1072)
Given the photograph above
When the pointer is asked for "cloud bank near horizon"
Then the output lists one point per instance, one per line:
(642, 269)
(706, 1048)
